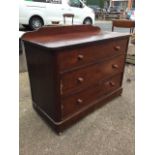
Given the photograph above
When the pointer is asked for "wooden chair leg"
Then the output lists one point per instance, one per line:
(72, 20)
(112, 28)
(64, 21)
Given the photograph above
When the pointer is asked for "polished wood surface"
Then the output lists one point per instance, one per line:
(79, 100)
(73, 71)
(86, 54)
(81, 78)
(63, 36)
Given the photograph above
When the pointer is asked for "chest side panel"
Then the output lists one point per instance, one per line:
(43, 79)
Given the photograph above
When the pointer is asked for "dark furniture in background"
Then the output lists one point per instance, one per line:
(123, 24)
(68, 15)
(73, 70)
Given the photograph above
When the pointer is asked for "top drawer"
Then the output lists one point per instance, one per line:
(86, 54)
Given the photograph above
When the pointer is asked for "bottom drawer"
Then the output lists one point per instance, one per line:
(77, 101)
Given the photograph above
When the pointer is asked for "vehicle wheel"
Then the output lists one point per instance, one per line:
(87, 21)
(35, 23)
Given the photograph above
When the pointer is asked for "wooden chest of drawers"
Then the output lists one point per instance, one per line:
(73, 70)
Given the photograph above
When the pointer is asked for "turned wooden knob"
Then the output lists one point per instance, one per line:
(117, 48)
(80, 79)
(80, 57)
(79, 101)
(112, 84)
(115, 66)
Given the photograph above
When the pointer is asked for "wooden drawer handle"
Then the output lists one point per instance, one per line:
(80, 57)
(115, 66)
(117, 48)
(79, 101)
(112, 84)
(80, 79)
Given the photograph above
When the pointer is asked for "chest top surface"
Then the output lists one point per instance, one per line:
(63, 36)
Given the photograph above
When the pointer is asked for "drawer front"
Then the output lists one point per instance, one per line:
(87, 54)
(82, 99)
(86, 76)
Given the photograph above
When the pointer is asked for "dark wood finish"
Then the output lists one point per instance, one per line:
(80, 100)
(123, 24)
(81, 78)
(87, 54)
(43, 79)
(73, 70)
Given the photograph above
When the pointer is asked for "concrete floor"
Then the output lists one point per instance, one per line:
(107, 131)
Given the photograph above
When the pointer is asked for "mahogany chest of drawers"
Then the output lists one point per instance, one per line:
(73, 70)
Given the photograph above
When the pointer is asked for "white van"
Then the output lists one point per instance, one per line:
(36, 13)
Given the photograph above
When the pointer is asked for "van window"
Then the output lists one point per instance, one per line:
(75, 3)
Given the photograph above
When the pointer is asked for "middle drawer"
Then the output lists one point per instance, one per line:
(77, 79)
